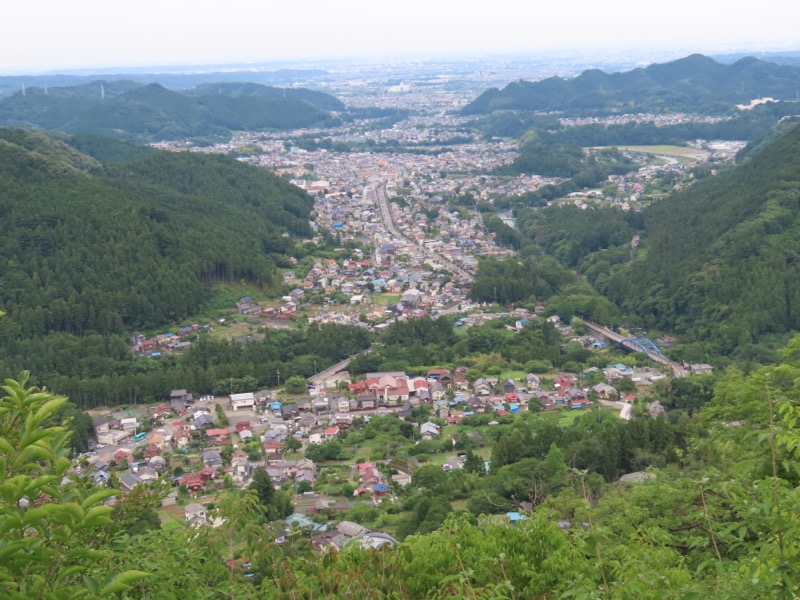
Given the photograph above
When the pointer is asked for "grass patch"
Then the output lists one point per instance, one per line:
(563, 417)
(515, 376)
(459, 504)
(222, 299)
(386, 299)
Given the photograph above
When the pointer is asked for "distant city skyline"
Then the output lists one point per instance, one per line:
(48, 35)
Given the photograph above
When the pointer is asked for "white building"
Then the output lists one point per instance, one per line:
(246, 400)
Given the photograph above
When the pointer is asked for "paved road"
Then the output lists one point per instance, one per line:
(625, 409)
(333, 369)
(378, 195)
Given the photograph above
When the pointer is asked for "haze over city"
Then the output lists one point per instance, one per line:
(47, 35)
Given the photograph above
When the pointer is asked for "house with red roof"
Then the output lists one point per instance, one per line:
(207, 474)
(219, 435)
(192, 482)
(393, 389)
(357, 387)
(182, 437)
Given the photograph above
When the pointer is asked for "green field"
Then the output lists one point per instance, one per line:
(386, 299)
(677, 151)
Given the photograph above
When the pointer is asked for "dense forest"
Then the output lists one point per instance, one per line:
(124, 109)
(716, 262)
(695, 84)
(93, 248)
(713, 516)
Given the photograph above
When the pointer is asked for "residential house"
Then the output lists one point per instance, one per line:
(367, 401)
(306, 475)
(159, 413)
(617, 372)
(101, 424)
(128, 482)
(289, 410)
(204, 420)
(150, 451)
(330, 433)
(113, 437)
(240, 468)
(443, 376)
(218, 436)
(482, 387)
(605, 391)
(193, 483)
(212, 458)
(455, 417)
(196, 514)
(533, 382)
(182, 437)
(147, 474)
(277, 475)
(158, 462)
(437, 391)
(429, 430)
(181, 395)
(129, 423)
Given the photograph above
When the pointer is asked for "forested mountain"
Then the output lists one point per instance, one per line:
(125, 109)
(696, 84)
(718, 262)
(89, 246)
(175, 80)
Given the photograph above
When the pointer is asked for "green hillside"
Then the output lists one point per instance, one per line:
(88, 246)
(721, 260)
(124, 109)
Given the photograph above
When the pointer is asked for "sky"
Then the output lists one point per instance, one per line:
(48, 35)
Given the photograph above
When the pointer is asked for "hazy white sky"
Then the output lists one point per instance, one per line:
(38, 35)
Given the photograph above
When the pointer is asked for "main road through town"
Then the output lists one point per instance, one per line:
(377, 193)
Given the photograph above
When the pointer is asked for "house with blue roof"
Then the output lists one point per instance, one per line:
(515, 517)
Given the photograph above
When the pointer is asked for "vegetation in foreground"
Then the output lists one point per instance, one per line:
(720, 521)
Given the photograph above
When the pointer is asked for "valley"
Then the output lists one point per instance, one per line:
(433, 340)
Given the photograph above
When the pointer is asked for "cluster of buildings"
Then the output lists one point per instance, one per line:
(659, 119)
(167, 342)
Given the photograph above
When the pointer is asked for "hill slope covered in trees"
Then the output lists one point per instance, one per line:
(88, 246)
(718, 262)
(697, 84)
(125, 109)
(722, 258)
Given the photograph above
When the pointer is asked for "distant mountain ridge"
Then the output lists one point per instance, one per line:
(126, 109)
(694, 84)
(172, 78)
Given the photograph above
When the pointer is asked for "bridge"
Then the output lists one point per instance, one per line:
(637, 345)
(640, 344)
